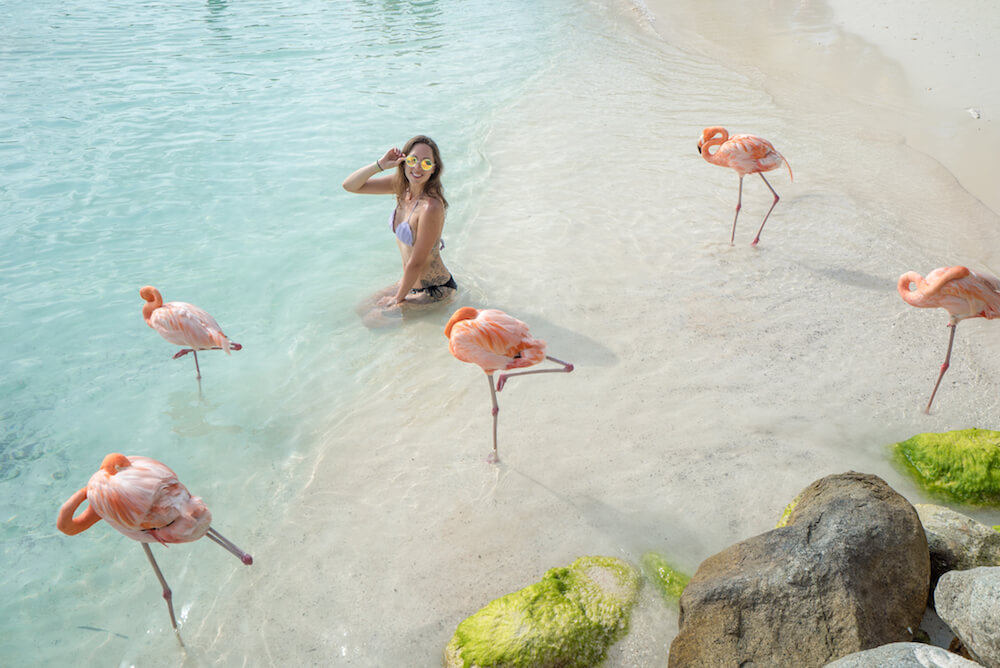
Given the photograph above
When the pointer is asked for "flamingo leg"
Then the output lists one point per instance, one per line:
(184, 352)
(567, 367)
(776, 198)
(197, 369)
(219, 539)
(493, 457)
(739, 205)
(944, 366)
(167, 594)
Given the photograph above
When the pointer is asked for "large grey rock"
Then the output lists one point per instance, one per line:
(849, 572)
(903, 655)
(957, 542)
(969, 603)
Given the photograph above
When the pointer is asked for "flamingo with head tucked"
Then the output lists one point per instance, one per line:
(494, 340)
(143, 499)
(746, 154)
(958, 290)
(184, 324)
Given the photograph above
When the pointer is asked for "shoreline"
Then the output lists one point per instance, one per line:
(930, 86)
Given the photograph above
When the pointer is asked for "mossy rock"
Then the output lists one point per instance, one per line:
(962, 466)
(568, 620)
(668, 580)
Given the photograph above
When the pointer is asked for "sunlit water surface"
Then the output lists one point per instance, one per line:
(202, 152)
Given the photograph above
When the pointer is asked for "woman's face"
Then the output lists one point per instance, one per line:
(423, 165)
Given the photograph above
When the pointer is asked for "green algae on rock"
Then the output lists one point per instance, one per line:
(787, 512)
(962, 466)
(569, 619)
(667, 579)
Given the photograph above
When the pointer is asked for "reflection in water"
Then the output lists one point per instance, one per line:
(217, 12)
(190, 416)
(412, 26)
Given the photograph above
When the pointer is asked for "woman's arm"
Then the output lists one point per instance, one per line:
(430, 226)
(364, 181)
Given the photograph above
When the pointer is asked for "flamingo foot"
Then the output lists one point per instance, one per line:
(235, 346)
(183, 353)
(501, 381)
(755, 241)
(493, 457)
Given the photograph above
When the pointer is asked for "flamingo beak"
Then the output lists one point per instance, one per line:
(699, 148)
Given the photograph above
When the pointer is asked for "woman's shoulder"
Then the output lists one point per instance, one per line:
(433, 205)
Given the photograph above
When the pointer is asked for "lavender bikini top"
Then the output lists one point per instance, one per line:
(403, 231)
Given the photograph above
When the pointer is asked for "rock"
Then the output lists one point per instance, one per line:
(969, 603)
(568, 620)
(666, 578)
(961, 466)
(848, 573)
(903, 655)
(957, 542)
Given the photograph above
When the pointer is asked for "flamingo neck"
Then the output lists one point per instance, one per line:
(464, 313)
(154, 300)
(70, 525)
(712, 137)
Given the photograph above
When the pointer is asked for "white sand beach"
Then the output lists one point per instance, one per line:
(712, 382)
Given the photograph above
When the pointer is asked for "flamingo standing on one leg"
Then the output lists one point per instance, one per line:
(142, 498)
(746, 154)
(961, 292)
(494, 340)
(184, 324)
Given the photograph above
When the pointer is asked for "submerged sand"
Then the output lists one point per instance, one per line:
(713, 382)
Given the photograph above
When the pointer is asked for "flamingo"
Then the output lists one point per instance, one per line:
(958, 290)
(142, 498)
(494, 340)
(746, 154)
(184, 324)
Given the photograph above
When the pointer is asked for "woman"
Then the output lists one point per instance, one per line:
(416, 222)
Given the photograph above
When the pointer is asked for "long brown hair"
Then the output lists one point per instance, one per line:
(433, 186)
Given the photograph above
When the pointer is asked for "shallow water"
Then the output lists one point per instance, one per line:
(713, 382)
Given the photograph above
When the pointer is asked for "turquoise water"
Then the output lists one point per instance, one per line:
(199, 147)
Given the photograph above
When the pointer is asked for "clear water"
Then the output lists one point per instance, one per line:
(202, 151)
(200, 148)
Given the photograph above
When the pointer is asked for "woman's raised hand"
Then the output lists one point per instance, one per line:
(391, 158)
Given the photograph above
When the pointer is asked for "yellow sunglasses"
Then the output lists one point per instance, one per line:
(426, 164)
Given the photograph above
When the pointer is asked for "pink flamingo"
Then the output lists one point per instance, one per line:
(494, 340)
(184, 324)
(746, 154)
(142, 498)
(958, 290)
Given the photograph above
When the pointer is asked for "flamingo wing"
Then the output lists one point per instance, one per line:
(980, 292)
(748, 154)
(184, 324)
(495, 340)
